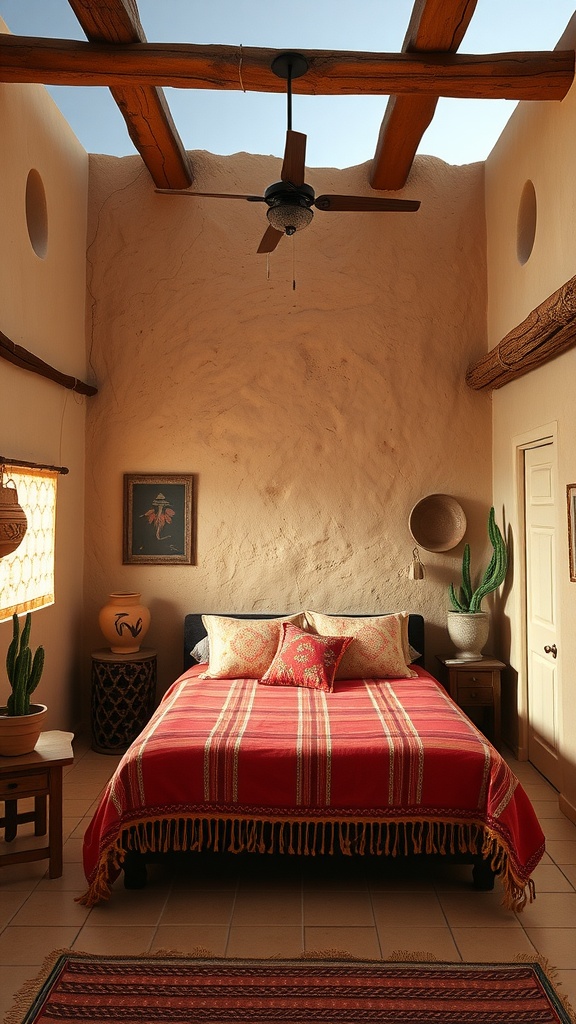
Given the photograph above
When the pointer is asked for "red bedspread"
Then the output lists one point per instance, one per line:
(378, 766)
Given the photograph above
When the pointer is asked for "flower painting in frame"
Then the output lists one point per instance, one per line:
(158, 519)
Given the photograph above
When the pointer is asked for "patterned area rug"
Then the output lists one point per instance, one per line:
(167, 987)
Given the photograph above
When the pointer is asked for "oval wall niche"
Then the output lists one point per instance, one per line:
(37, 214)
(526, 224)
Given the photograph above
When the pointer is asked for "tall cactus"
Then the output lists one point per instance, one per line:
(24, 671)
(468, 600)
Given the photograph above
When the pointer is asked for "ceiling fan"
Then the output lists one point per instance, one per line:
(290, 200)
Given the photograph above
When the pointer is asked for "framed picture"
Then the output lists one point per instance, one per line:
(571, 498)
(158, 514)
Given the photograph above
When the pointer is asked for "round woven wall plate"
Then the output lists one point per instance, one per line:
(437, 522)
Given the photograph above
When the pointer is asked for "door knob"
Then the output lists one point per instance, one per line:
(553, 650)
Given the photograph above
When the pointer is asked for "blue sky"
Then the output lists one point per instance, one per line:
(342, 131)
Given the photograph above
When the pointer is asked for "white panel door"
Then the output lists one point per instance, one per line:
(541, 605)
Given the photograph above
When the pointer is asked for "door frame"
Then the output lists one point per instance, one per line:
(547, 433)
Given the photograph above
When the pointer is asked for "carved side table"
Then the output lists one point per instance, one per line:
(123, 697)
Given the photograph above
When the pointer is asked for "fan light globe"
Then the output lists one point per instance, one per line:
(289, 217)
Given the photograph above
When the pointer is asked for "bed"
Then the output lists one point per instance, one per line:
(299, 759)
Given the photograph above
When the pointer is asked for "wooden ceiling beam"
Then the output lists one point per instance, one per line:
(144, 108)
(434, 25)
(545, 75)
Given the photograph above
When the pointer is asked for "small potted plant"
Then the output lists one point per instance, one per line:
(21, 721)
(468, 625)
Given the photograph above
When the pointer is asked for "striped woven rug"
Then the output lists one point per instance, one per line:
(170, 988)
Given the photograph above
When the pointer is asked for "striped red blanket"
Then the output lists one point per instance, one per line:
(388, 766)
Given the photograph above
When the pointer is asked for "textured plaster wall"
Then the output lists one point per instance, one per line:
(538, 144)
(42, 307)
(312, 419)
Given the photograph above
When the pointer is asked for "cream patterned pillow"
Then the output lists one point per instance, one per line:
(243, 648)
(381, 647)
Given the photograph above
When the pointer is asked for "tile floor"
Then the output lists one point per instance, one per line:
(243, 906)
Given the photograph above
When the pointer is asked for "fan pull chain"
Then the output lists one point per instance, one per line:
(267, 266)
(293, 263)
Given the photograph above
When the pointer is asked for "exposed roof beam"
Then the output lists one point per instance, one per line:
(545, 75)
(144, 108)
(434, 25)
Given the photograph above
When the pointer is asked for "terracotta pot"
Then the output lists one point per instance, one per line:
(468, 632)
(19, 733)
(13, 522)
(124, 621)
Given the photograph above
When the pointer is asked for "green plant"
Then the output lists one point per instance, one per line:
(24, 671)
(469, 600)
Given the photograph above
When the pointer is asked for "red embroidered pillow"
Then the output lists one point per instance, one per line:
(306, 659)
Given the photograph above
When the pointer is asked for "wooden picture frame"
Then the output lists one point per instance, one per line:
(158, 513)
(571, 503)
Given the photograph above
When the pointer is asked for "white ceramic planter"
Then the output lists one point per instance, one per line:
(468, 632)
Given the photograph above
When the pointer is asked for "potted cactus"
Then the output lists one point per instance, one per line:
(21, 721)
(468, 625)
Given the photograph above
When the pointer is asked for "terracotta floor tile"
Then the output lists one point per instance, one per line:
(569, 870)
(198, 907)
(58, 909)
(259, 940)
(127, 907)
(549, 878)
(267, 907)
(482, 909)
(21, 877)
(188, 938)
(20, 946)
(72, 851)
(558, 945)
(565, 982)
(562, 851)
(547, 809)
(121, 940)
(559, 828)
(12, 979)
(10, 904)
(550, 910)
(361, 942)
(491, 944)
(419, 909)
(72, 879)
(337, 909)
(398, 940)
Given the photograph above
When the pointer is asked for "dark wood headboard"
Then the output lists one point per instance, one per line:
(194, 630)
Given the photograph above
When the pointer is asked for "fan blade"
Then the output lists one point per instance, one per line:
(209, 195)
(270, 239)
(366, 203)
(293, 168)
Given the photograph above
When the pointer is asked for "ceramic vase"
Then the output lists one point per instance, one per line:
(468, 632)
(13, 522)
(19, 733)
(124, 621)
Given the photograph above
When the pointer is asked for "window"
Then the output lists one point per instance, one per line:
(27, 574)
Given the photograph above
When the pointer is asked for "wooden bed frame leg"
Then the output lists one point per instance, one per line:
(135, 874)
(483, 875)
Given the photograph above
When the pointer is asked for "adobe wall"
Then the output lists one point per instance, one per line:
(312, 419)
(42, 308)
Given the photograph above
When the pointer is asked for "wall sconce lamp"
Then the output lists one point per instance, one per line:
(416, 570)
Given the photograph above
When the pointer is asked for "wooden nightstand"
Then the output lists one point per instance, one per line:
(37, 775)
(475, 686)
